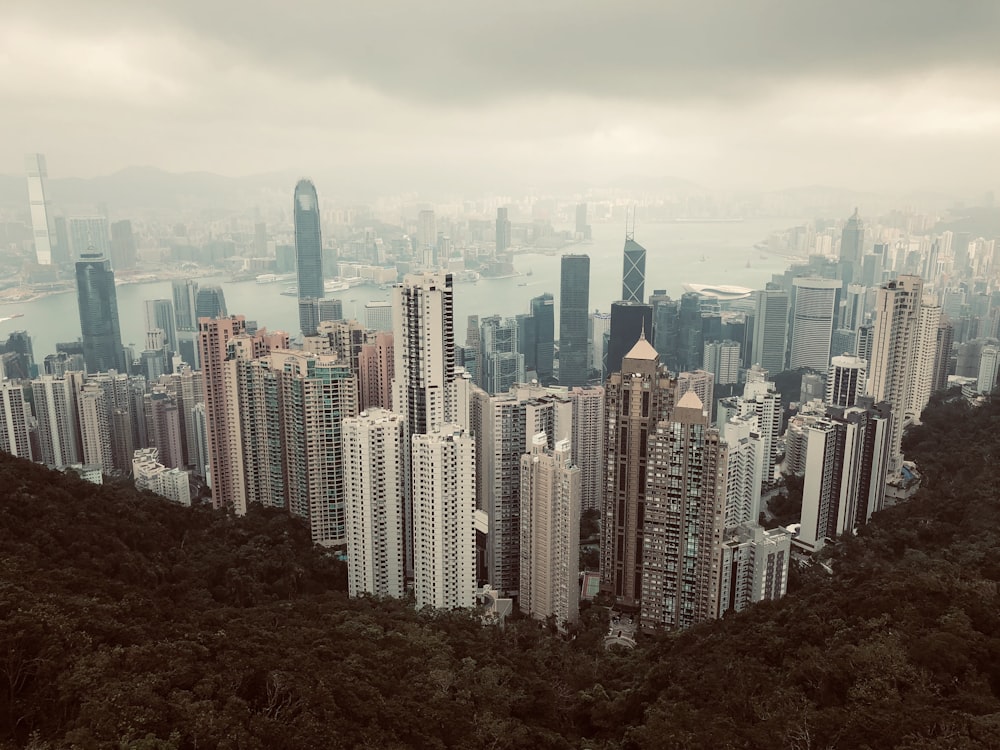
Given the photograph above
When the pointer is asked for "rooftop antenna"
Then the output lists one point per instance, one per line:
(630, 233)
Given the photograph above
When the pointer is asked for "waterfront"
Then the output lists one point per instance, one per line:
(678, 253)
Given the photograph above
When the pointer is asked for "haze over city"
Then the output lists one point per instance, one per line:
(454, 96)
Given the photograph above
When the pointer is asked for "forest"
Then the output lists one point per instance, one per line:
(129, 622)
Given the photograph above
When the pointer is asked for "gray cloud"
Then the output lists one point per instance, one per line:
(466, 51)
(738, 92)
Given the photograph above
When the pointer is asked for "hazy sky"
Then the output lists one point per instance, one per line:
(766, 93)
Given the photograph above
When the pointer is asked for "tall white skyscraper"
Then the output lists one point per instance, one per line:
(444, 498)
(744, 469)
(15, 414)
(550, 532)
(813, 317)
(753, 567)
(424, 350)
(925, 354)
(847, 456)
(375, 480)
(895, 373)
(989, 366)
(722, 359)
(55, 408)
(587, 443)
(504, 425)
(600, 326)
(845, 380)
(42, 221)
(149, 474)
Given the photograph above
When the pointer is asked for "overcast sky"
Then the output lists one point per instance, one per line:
(742, 93)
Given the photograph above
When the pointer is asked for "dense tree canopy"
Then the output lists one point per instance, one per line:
(128, 622)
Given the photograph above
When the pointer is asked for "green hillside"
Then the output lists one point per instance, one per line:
(127, 622)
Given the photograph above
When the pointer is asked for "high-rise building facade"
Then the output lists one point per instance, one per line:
(149, 474)
(846, 380)
(378, 315)
(375, 372)
(443, 466)
(597, 338)
(376, 466)
(503, 237)
(503, 426)
(89, 235)
(424, 350)
(42, 220)
(629, 321)
(895, 367)
(210, 302)
(942, 355)
(634, 272)
(753, 567)
(550, 532)
(847, 461)
(99, 324)
(770, 330)
(160, 315)
(500, 361)
(15, 417)
(684, 519)
(744, 469)
(544, 328)
(55, 409)
(308, 247)
(852, 240)
(637, 398)
(722, 359)
(813, 318)
(185, 294)
(574, 308)
(123, 249)
(587, 443)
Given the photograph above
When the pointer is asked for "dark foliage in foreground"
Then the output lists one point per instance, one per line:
(126, 622)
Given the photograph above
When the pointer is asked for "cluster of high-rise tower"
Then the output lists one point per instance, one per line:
(440, 468)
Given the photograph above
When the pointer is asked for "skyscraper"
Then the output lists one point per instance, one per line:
(500, 362)
(160, 314)
(123, 250)
(544, 325)
(587, 443)
(722, 359)
(374, 502)
(426, 231)
(219, 359)
(503, 426)
(210, 302)
(89, 234)
(895, 369)
(550, 532)
(42, 224)
(845, 381)
(375, 372)
(444, 497)
(574, 309)
(637, 398)
(597, 336)
(185, 293)
(847, 457)
(629, 321)
(813, 318)
(852, 240)
(684, 519)
(942, 355)
(98, 303)
(424, 350)
(378, 315)
(770, 330)
(55, 409)
(151, 474)
(15, 416)
(308, 247)
(634, 272)
(753, 567)
(503, 230)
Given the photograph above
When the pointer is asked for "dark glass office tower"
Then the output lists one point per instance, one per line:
(95, 291)
(628, 322)
(574, 314)
(210, 303)
(543, 315)
(185, 295)
(308, 250)
(633, 274)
